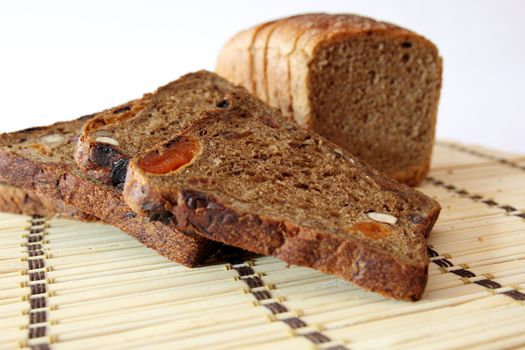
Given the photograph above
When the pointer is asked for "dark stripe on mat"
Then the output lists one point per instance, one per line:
(509, 209)
(445, 264)
(243, 266)
(479, 154)
(36, 263)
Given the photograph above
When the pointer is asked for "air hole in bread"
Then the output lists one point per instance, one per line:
(302, 186)
(223, 104)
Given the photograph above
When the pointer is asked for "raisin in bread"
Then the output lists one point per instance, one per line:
(109, 139)
(248, 177)
(369, 86)
(41, 160)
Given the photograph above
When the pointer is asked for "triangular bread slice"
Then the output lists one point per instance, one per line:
(248, 177)
(41, 160)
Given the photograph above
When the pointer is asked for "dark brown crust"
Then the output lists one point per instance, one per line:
(350, 259)
(61, 184)
(17, 200)
(62, 209)
(414, 175)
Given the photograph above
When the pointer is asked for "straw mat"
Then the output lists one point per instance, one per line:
(71, 285)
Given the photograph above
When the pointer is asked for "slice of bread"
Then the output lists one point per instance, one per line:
(369, 86)
(41, 160)
(281, 44)
(259, 61)
(248, 177)
(240, 51)
(20, 201)
(109, 139)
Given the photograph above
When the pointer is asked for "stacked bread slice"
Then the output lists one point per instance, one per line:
(208, 162)
(41, 160)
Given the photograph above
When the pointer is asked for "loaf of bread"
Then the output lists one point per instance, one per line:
(371, 87)
(41, 160)
(20, 201)
(246, 176)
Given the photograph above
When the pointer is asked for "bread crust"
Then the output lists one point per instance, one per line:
(259, 49)
(240, 48)
(237, 50)
(18, 201)
(61, 208)
(282, 43)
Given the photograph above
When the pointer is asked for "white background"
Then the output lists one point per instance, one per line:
(63, 59)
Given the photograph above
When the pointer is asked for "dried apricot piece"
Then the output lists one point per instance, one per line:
(172, 156)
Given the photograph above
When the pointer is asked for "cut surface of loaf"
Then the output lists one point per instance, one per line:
(41, 160)
(369, 86)
(248, 177)
(20, 201)
(109, 139)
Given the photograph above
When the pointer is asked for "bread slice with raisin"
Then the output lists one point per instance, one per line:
(19, 201)
(248, 177)
(112, 137)
(369, 86)
(41, 160)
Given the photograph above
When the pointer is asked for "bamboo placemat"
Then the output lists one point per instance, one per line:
(71, 285)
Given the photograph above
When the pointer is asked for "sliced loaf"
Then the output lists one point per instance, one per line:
(248, 177)
(41, 160)
(371, 87)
